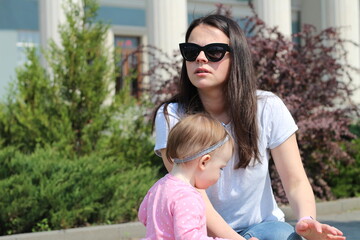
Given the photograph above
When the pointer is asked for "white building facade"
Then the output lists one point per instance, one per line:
(162, 23)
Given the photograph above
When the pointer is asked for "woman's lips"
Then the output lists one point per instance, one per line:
(201, 70)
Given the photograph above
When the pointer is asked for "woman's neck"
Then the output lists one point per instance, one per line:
(214, 104)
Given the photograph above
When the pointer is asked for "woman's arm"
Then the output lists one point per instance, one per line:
(299, 192)
(293, 177)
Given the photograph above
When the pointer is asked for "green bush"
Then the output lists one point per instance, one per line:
(346, 182)
(47, 188)
(70, 157)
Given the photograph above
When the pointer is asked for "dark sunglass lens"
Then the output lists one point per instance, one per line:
(190, 53)
(215, 53)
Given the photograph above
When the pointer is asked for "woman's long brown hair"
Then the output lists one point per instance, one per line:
(239, 92)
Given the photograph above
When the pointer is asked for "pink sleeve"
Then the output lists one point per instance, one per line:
(142, 213)
(189, 218)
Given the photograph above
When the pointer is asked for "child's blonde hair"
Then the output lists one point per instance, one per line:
(193, 134)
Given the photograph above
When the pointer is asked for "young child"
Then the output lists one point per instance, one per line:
(200, 148)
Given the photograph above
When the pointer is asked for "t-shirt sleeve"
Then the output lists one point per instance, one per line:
(163, 126)
(281, 124)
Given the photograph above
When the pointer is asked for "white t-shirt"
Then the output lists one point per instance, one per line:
(244, 196)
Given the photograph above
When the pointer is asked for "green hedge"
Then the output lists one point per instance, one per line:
(346, 182)
(48, 190)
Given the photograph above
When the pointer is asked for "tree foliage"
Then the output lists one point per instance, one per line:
(64, 104)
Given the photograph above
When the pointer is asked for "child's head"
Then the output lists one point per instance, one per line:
(201, 141)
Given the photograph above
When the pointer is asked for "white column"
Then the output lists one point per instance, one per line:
(166, 23)
(275, 13)
(109, 45)
(51, 15)
(345, 14)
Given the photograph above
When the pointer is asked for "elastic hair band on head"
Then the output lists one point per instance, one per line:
(203, 152)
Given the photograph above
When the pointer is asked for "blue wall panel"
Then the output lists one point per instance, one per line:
(123, 16)
(19, 14)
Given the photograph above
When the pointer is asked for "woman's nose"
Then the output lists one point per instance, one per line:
(201, 57)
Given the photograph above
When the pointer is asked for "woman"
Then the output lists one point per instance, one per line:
(217, 77)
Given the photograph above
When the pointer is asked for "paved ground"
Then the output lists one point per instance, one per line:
(343, 214)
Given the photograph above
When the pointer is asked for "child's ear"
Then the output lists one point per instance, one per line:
(203, 161)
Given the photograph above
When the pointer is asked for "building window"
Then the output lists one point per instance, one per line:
(295, 25)
(26, 39)
(129, 63)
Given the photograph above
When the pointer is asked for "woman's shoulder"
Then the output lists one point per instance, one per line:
(172, 107)
(265, 94)
(173, 110)
(267, 98)
(269, 103)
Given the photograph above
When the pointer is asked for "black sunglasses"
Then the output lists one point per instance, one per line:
(214, 52)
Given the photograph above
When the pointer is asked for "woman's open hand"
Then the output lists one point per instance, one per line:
(313, 230)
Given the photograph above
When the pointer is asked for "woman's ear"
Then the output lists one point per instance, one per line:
(203, 161)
